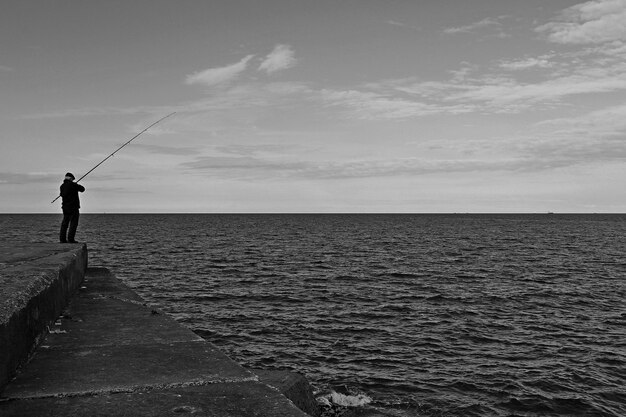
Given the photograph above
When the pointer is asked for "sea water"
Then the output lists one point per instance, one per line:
(410, 315)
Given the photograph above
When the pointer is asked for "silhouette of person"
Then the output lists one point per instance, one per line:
(70, 206)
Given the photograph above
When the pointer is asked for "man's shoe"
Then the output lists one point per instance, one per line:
(63, 241)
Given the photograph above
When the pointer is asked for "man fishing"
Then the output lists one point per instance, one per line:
(70, 206)
(70, 190)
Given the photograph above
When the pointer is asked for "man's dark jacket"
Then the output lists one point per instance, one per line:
(69, 193)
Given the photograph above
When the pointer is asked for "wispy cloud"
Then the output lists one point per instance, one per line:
(250, 150)
(220, 75)
(504, 88)
(597, 136)
(610, 121)
(239, 97)
(403, 25)
(511, 95)
(249, 167)
(256, 167)
(531, 62)
(20, 178)
(487, 22)
(282, 57)
(167, 150)
(372, 105)
(95, 111)
(496, 89)
(592, 22)
(488, 92)
(4, 68)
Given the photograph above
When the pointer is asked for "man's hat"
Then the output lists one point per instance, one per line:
(69, 174)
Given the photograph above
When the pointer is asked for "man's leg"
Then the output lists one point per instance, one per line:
(64, 224)
(73, 226)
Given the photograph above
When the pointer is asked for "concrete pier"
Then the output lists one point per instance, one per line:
(109, 354)
(36, 282)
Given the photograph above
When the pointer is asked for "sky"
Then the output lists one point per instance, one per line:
(407, 106)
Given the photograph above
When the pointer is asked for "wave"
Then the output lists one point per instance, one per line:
(572, 406)
(344, 400)
(402, 274)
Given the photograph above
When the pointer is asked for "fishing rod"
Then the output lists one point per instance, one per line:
(113, 153)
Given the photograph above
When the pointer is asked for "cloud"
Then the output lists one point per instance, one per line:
(282, 57)
(402, 25)
(394, 23)
(250, 150)
(255, 167)
(559, 143)
(285, 88)
(594, 70)
(167, 150)
(592, 22)
(214, 76)
(371, 105)
(523, 64)
(97, 111)
(200, 113)
(595, 137)
(567, 151)
(521, 95)
(20, 178)
(610, 121)
(4, 68)
(488, 22)
(402, 167)
(248, 167)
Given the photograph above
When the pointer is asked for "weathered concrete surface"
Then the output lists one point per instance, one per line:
(293, 386)
(110, 355)
(36, 282)
(239, 399)
(370, 412)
